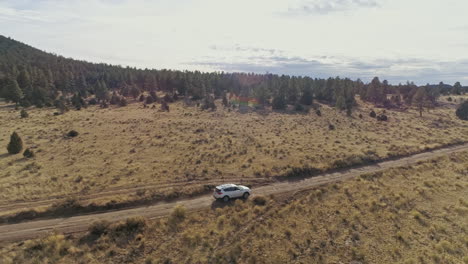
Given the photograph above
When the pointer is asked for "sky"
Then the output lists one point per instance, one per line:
(425, 41)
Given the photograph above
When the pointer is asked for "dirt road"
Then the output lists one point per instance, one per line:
(32, 229)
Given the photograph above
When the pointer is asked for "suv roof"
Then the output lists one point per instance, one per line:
(226, 185)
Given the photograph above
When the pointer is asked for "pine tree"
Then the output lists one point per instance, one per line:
(261, 94)
(457, 88)
(279, 102)
(13, 91)
(135, 92)
(82, 85)
(420, 98)
(24, 80)
(101, 91)
(16, 144)
(340, 102)
(115, 99)
(373, 90)
(307, 96)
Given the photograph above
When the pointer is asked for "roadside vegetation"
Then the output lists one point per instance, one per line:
(411, 214)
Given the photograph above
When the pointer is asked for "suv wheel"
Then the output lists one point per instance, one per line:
(246, 195)
(226, 198)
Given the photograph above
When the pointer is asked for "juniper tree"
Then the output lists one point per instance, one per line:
(16, 144)
(462, 111)
(420, 98)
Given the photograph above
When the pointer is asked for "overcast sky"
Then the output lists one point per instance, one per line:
(398, 40)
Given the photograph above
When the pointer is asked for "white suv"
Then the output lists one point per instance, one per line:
(228, 191)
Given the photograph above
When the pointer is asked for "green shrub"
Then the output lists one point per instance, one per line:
(123, 102)
(382, 117)
(373, 114)
(16, 144)
(149, 100)
(28, 153)
(177, 216)
(93, 101)
(24, 114)
(299, 108)
(99, 228)
(259, 200)
(72, 133)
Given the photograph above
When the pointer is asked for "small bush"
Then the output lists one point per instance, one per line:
(382, 117)
(450, 99)
(360, 116)
(318, 112)
(149, 100)
(16, 144)
(93, 101)
(131, 226)
(331, 127)
(259, 200)
(24, 114)
(123, 102)
(142, 98)
(28, 153)
(99, 228)
(299, 108)
(177, 216)
(72, 133)
(167, 98)
(115, 99)
(373, 114)
(164, 106)
(104, 104)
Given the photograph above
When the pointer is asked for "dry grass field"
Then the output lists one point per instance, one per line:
(181, 151)
(412, 214)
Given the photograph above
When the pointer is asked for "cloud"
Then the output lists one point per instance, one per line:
(322, 7)
(19, 15)
(394, 70)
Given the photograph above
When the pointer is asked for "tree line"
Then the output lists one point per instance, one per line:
(29, 76)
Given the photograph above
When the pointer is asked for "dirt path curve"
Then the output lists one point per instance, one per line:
(33, 229)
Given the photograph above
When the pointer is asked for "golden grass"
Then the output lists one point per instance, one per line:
(377, 218)
(132, 146)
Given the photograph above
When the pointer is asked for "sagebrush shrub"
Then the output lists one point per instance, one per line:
(72, 133)
(28, 153)
(24, 114)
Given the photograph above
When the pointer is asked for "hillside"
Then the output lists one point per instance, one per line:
(29, 76)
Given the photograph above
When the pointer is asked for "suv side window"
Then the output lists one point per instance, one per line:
(230, 189)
